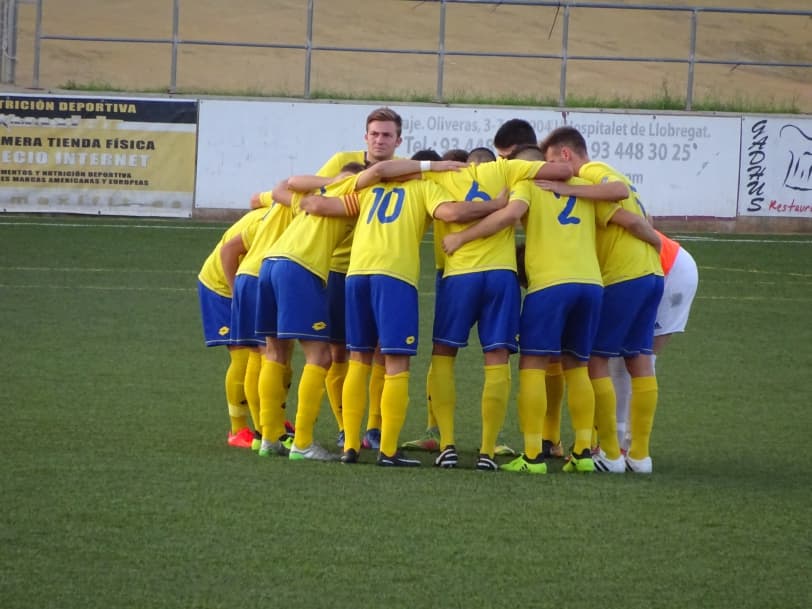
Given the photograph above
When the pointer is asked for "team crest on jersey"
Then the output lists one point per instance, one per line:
(319, 326)
(223, 331)
(410, 340)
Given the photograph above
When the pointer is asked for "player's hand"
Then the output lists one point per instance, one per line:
(447, 165)
(502, 198)
(451, 243)
(560, 188)
(255, 202)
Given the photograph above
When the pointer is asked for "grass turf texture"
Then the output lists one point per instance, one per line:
(119, 489)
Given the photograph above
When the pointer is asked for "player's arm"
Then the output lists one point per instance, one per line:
(230, 254)
(554, 171)
(507, 216)
(605, 191)
(306, 183)
(282, 193)
(262, 199)
(637, 226)
(319, 205)
(462, 212)
(402, 169)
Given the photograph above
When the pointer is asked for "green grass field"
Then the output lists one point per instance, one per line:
(118, 489)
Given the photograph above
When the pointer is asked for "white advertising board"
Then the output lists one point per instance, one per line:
(682, 165)
(776, 167)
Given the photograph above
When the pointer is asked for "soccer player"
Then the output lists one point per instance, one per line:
(214, 294)
(382, 137)
(293, 301)
(633, 285)
(479, 286)
(242, 258)
(679, 289)
(382, 302)
(562, 306)
(512, 134)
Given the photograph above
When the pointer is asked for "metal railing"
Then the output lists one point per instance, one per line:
(564, 57)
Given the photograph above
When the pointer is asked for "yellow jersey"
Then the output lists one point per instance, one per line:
(622, 256)
(211, 274)
(482, 182)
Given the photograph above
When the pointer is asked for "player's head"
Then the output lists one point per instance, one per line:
(481, 155)
(565, 145)
(383, 134)
(527, 152)
(455, 154)
(347, 170)
(427, 154)
(513, 133)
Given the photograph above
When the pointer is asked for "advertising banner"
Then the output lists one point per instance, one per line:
(685, 166)
(97, 155)
(776, 167)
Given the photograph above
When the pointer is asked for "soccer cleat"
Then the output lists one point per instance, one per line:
(314, 452)
(256, 443)
(503, 450)
(280, 447)
(447, 458)
(552, 450)
(340, 439)
(290, 429)
(397, 460)
(372, 439)
(582, 463)
(241, 439)
(485, 464)
(526, 466)
(612, 466)
(430, 442)
(639, 466)
(349, 456)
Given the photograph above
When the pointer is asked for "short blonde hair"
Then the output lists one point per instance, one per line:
(386, 115)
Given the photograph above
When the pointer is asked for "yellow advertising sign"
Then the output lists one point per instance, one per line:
(100, 156)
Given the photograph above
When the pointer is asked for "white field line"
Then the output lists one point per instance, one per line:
(221, 227)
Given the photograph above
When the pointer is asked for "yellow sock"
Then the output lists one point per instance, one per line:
(581, 401)
(532, 403)
(375, 390)
(311, 391)
(443, 396)
(605, 416)
(641, 414)
(354, 402)
(554, 382)
(394, 402)
(335, 385)
(252, 386)
(431, 421)
(235, 390)
(495, 394)
(272, 394)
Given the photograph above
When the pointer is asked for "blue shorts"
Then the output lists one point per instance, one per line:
(244, 312)
(291, 302)
(335, 299)
(215, 311)
(381, 310)
(627, 317)
(489, 299)
(561, 319)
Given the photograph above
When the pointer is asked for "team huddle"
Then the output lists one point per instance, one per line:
(332, 260)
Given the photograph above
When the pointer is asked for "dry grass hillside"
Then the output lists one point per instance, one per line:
(403, 24)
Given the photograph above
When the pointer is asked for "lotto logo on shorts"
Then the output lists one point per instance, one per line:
(319, 326)
(223, 331)
(410, 340)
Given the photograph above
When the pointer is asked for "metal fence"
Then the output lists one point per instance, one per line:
(175, 42)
